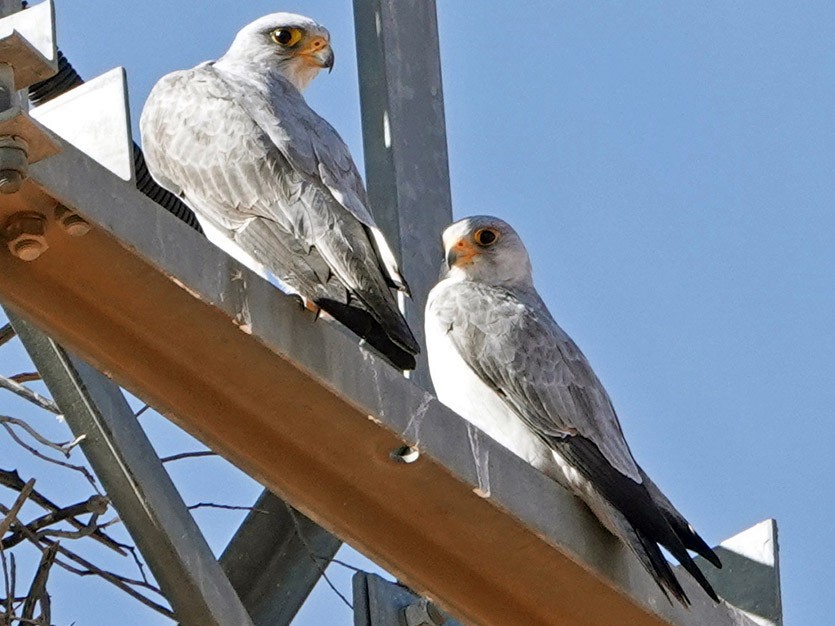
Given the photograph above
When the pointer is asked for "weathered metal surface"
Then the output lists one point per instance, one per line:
(404, 140)
(378, 602)
(27, 41)
(137, 484)
(750, 576)
(301, 408)
(272, 569)
(95, 118)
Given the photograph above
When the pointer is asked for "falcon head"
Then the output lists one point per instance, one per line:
(293, 45)
(486, 249)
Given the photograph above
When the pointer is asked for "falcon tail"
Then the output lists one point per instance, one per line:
(362, 323)
(686, 533)
(643, 515)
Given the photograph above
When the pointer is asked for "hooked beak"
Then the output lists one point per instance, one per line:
(460, 254)
(324, 58)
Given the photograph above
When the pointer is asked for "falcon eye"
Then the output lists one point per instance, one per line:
(486, 236)
(286, 37)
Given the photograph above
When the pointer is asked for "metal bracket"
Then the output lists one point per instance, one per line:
(95, 118)
(27, 43)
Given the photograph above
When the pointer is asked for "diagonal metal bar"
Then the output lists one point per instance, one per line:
(137, 484)
(404, 139)
(274, 560)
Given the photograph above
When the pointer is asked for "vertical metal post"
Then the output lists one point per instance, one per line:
(137, 484)
(404, 137)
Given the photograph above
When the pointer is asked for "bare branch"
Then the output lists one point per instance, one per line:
(187, 455)
(8, 581)
(7, 333)
(78, 468)
(38, 588)
(64, 448)
(27, 394)
(228, 507)
(97, 505)
(12, 513)
(317, 560)
(25, 377)
(13, 481)
(121, 582)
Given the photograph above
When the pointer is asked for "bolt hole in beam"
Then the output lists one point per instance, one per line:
(405, 454)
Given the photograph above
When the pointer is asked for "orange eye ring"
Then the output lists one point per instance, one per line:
(486, 236)
(287, 37)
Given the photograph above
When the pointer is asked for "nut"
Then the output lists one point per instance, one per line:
(25, 234)
(14, 164)
(72, 223)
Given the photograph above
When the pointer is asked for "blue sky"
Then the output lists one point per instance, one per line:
(670, 166)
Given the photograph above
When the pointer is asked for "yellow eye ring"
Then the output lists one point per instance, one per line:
(486, 236)
(286, 37)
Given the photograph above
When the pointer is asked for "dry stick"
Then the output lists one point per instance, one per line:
(27, 394)
(38, 588)
(97, 505)
(8, 582)
(12, 480)
(64, 448)
(120, 582)
(7, 333)
(228, 507)
(25, 377)
(11, 514)
(78, 468)
(187, 455)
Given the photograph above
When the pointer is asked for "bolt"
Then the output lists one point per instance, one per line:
(72, 223)
(25, 234)
(10, 181)
(14, 164)
(423, 613)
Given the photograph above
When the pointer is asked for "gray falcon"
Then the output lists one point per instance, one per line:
(499, 359)
(235, 139)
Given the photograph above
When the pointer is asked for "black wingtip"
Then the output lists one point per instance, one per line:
(365, 326)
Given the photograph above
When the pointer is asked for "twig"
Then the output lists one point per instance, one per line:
(38, 588)
(353, 568)
(78, 468)
(97, 505)
(314, 557)
(64, 448)
(8, 581)
(228, 507)
(25, 377)
(116, 580)
(12, 480)
(187, 455)
(7, 333)
(27, 394)
(6, 523)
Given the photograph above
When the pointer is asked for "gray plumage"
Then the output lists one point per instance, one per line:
(237, 142)
(500, 360)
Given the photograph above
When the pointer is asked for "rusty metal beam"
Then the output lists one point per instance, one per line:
(298, 405)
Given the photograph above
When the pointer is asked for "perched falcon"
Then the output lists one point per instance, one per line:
(235, 139)
(499, 359)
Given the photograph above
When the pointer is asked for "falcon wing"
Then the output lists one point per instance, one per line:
(203, 141)
(519, 351)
